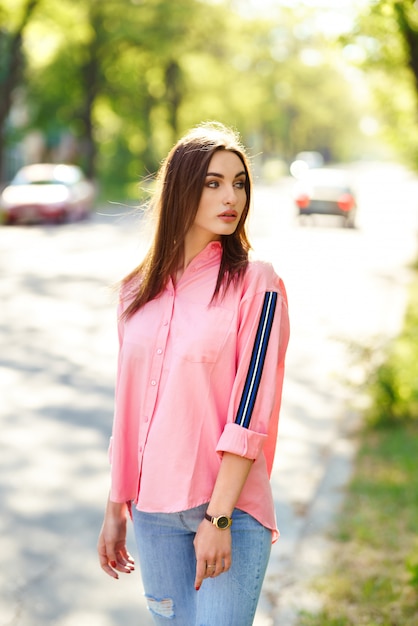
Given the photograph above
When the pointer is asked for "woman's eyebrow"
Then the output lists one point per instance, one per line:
(222, 176)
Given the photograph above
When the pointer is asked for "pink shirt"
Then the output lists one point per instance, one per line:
(194, 380)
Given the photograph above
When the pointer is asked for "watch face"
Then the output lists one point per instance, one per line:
(223, 522)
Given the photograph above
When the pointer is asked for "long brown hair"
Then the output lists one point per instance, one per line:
(180, 183)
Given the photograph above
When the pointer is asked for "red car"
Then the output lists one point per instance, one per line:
(47, 192)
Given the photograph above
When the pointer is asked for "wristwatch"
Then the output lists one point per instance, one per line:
(223, 521)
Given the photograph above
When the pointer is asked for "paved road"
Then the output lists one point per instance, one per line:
(57, 358)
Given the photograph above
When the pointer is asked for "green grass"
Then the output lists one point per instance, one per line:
(375, 577)
(373, 580)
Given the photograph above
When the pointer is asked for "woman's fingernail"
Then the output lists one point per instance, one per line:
(197, 588)
(113, 563)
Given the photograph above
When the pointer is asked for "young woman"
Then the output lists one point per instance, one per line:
(203, 333)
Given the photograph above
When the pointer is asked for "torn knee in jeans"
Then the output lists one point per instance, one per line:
(163, 608)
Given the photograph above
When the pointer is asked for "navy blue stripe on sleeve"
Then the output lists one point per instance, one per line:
(258, 357)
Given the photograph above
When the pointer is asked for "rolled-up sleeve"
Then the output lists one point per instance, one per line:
(263, 336)
(241, 441)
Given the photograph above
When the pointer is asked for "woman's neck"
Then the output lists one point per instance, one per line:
(192, 247)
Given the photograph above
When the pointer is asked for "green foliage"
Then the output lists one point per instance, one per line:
(393, 386)
(126, 77)
(387, 34)
(412, 567)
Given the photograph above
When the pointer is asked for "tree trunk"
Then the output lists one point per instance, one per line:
(11, 74)
(90, 79)
(173, 95)
(410, 36)
(91, 82)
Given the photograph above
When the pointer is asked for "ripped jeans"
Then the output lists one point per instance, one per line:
(168, 567)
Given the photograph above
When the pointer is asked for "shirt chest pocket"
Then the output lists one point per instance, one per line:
(199, 332)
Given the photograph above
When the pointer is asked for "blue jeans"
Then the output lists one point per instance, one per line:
(168, 567)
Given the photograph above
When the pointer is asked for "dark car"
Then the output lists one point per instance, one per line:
(47, 192)
(326, 191)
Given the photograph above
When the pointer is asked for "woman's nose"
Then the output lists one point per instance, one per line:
(230, 196)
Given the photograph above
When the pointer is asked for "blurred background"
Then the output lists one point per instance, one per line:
(93, 94)
(99, 83)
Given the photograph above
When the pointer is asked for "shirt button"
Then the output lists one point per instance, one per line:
(140, 448)
(159, 351)
(165, 323)
(146, 419)
(153, 383)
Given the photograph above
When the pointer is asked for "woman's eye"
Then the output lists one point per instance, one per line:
(214, 184)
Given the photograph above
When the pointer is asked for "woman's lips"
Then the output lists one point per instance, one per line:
(228, 216)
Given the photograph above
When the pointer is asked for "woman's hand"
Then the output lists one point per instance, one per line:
(213, 545)
(111, 547)
(213, 551)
